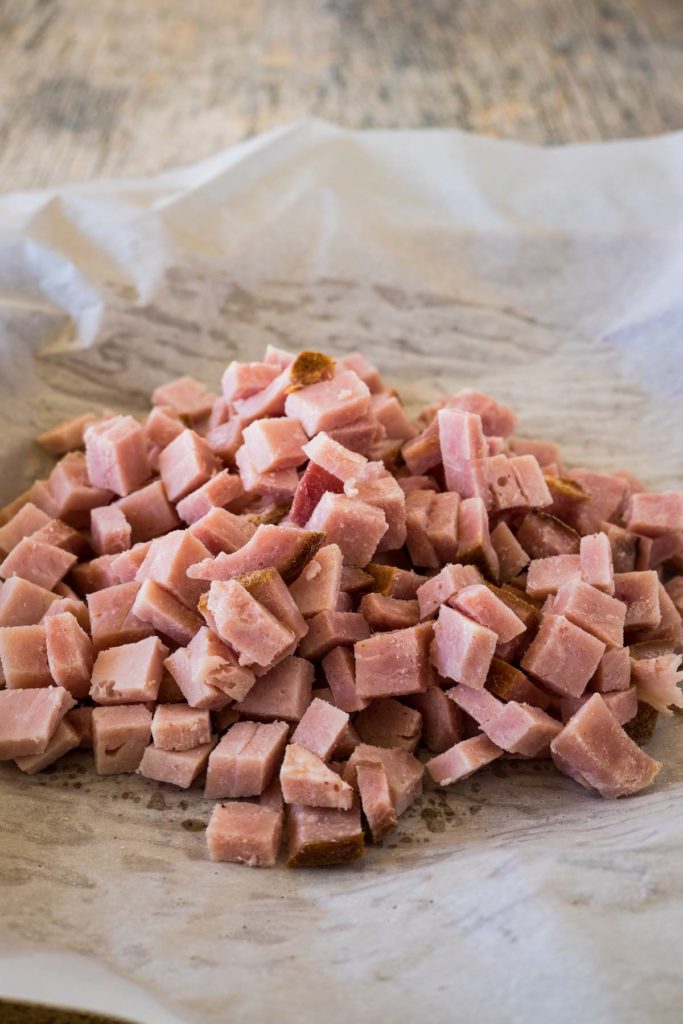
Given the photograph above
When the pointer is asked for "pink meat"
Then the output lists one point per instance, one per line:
(23, 655)
(543, 536)
(246, 625)
(613, 672)
(330, 403)
(242, 380)
(128, 674)
(161, 610)
(61, 535)
(282, 693)
(358, 436)
(479, 704)
(386, 613)
(547, 575)
(394, 664)
(340, 673)
(444, 586)
(185, 464)
(167, 563)
(180, 727)
(275, 444)
(187, 397)
(245, 760)
(404, 772)
(38, 563)
(463, 451)
(244, 833)
(314, 482)
(369, 374)
(97, 574)
(285, 548)
(112, 620)
(176, 767)
(423, 452)
(674, 589)
(357, 528)
(277, 486)
(594, 750)
(545, 452)
(220, 530)
(317, 588)
(378, 489)
(29, 718)
(70, 654)
(197, 693)
(592, 610)
(474, 538)
(26, 522)
(462, 649)
(639, 591)
(149, 512)
(670, 626)
(462, 760)
(305, 779)
(531, 481)
(67, 435)
(375, 794)
(323, 835)
(418, 505)
(655, 514)
(657, 679)
(391, 414)
(332, 629)
(226, 439)
(220, 490)
(23, 603)
(64, 739)
(269, 401)
(120, 737)
(596, 562)
(116, 454)
(393, 582)
(442, 526)
(504, 487)
(321, 728)
(512, 558)
(388, 723)
(72, 493)
(268, 588)
(110, 530)
(214, 665)
(522, 729)
(80, 719)
(496, 418)
(41, 495)
(607, 498)
(622, 703)
(162, 426)
(481, 604)
(442, 720)
(563, 656)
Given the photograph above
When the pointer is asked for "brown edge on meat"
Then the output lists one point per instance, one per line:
(269, 517)
(570, 490)
(329, 853)
(310, 368)
(293, 566)
(642, 727)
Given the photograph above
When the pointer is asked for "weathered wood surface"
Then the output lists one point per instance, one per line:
(133, 86)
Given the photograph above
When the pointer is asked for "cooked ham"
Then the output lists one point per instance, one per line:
(317, 587)
(245, 760)
(442, 526)
(110, 530)
(391, 581)
(120, 736)
(246, 625)
(545, 452)
(639, 591)
(214, 666)
(322, 836)
(128, 674)
(161, 610)
(655, 514)
(162, 426)
(442, 720)
(543, 536)
(563, 656)
(244, 833)
(353, 525)
(305, 779)
(70, 654)
(226, 439)
(592, 610)
(394, 664)
(149, 512)
(596, 562)
(116, 455)
(340, 673)
(481, 604)
(462, 649)
(622, 703)
(332, 629)
(176, 767)
(463, 452)
(462, 760)
(23, 656)
(38, 563)
(404, 772)
(613, 671)
(220, 530)
(187, 397)
(220, 490)
(474, 538)
(64, 739)
(320, 729)
(522, 729)
(185, 464)
(282, 693)
(332, 457)
(112, 620)
(67, 435)
(167, 563)
(507, 683)
(530, 480)
(270, 590)
(422, 551)
(390, 413)
(607, 498)
(329, 403)
(242, 380)
(657, 679)
(29, 718)
(23, 603)
(547, 575)
(180, 727)
(388, 723)
(375, 795)
(25, 523)
(444, 586)
(285, 548)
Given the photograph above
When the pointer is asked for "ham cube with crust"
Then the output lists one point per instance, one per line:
(377, 488)
(120, 737)
(422, 552)
(674, 589)
(607, 495)
(185, 464)
(394, 664)
(546, 575)
(613, 672)
(531, 482)
(623, 704)
(594, 750)
(404, 772)
(386, 613)
(247, 625)
(70, 654)
(356, 527)
(388, 723)
(220, 530)
(522, 729)
(474, 538)
(444, 586)
(321, 728)
(161, 610)
(167, 562)
(71, 492)
(340, 673)
(442, 526)
(285, 548)
(563, 656)
(592, 610)
(149, 512)
(23, 656)
(507, 683)
(496, 419)
(112, 620)
(329, 403)
(655, 514)
(245, 760)
(306, 779)
(244, 833)
(242, 380)
(332, 629)
(116, 454)
(462, 649)
(67, 435)
(595, 555)
(26, 522)
(282, 694)
(180, 727)
(176, 767)
(462, 760)
(197, 693)
(657, 679)
(29, 718)
(423, 452)
(220, 490)
(322, 836)
(74, 607)
(543, 536)
(314, 482)
(64, 739)
(332, 457)
(375, 797)
(275, 444)
(639, 591)
(317, 588)
(38, 563)
(23, 603)
(463, 451)
(481, 604)
(128, 674)
(187, 397)
(442, 720)
(512, 558)
(394, 582)
(110, 531)
(270, 590)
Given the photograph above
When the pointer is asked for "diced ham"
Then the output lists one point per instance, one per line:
(270, 590)
(180, 727)
(278, 485)
(357, 362)
(442, 525)
(394, 664)
(418, 505)
(246, 625)
(64, 739)
(120, 737)
(391, 414)
(567, 495)
(226, 439)
(25, 523)
(378, 489)
(23, 603)
(442, 721)
(383, 613)
(543, 535)
(80, 719)
(269, 401)
(639, 591)
(481, 604)
(394, 582)
(388, 723)
(463, 451)
(275, 444)
(674, 589)
(29, 718)
(480, 705)
(613, 672)
(530, 480)
(330, 403)
(214, 666)
(128, 674)
(547, 575)
(356, 527)
(220, 530)
(185, 464)
(112, 620)
(245, 760)
(220, 490)
(60, 535)
(607, 498)
(187, 397)
(462, 649)
(38, 563)
(67, 435)
(595, 751)
(563, 656)
(404, 772)
(423, 452)
(162, 426)
(97, 574)
(176, 767)
(314, 482)
(655, 514)
(522, 729)
(512, 558)
(70, 655)
(669, 628)
(321, 728)
(283, 693)
(161, 610)
(592, 610)
(340, 673)
(474, 538)
(596, 562)
(116, 455)
(167, 562)
(462, 760)
(317, 588)
(622, 703)
(242, 380)
(332, 629)
(322, 836)
(504, 488)
(445, 586)
(657, 679)
(360, 435)
(375, 795)
(244, 833)
(110, 530)
(545, 452)
(306, 779)
(23, 655)
(285, 548)
(149, 512)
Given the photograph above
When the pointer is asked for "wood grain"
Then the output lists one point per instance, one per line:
(134, 86)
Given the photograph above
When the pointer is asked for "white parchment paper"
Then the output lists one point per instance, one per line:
(551, 278)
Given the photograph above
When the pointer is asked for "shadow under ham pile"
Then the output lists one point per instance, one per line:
(295, 589)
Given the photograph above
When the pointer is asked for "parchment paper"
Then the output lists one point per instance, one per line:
(551, 278)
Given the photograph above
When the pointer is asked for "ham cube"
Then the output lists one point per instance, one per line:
(246, 625)
(275, 444)
(60, 535)
(197, 693)
(404, 772)
(332, 629)
(70, 654)
(38, 563)
(285, 548)
(445, 585)
(244, 833)
(547, 575)
(185, 464)
(176, 767)
(149, 512)
(74, 607)
(563, 656)
(161, 610)
(26, 522)
(545, 452)
(277, 486)
(314, 482)
(187, 397)
(64, 739)
(480, 705)
(340, 673)
(120, 737)
(596, 562)
(270, 590)
(67, 435)
(128, 674)
(512, 558)
(474, 539)
(220, 490)
(23, 655)
(29, 718)
(334, 458)
(94, 575)
(357, 528)
(481, 604)
(420, 547)
(116, 454)
(110, 530)
(504, 487)
(608, 495)
(383, 613)
(23, 603)
(594, 750)
(242, 380)
(462, 649)
(623, 704)
(375, 796)
(463, 451)
(179, 727)
(531, 482)
(214, 666)
(112, 620)
(639, 591)
(613, 672)
(462, 760)
(388, 723)
(283, 693)
(41, 495)
(162, 426)
(442, 721)
(269, 401)
(394, 582)
(220, 530)
(543, 536)
(655, 514)
(71, 492)
(357, 362)
(394, 664)
(80, 719)
(507, 683)
(245, 760)
(322, 836)
(321, 728)
(592, 610)
(378, 489)
(329, 403)
(226, 439)
(306, 779)
(674, 589)
(522, 729)
(423, 452)
(391, 414)
(167, 562)
(317, 588)
(442, 526)
(657, 679)
(496, 419)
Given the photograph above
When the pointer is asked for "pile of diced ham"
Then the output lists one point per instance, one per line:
(295, 589)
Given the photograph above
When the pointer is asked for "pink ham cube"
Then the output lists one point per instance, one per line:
(112, 620)
(120, 737)
(220, 530)
(394, 664)
(23, 655)
(321, 728)
(187, 397)
(242, 380)
(176, 767)
(110, 530)
(149, 512)
(623, 704)
(316, 589)
(128, 674)
(244, 833)
(306, 779)
(270, 590)
(388, 723)
(245, 760)
(357, 528)
(38, 563)
(546, 575)
(613, 672)
(161, 610)
(378, 489)
(61, 535)
(463, 451)
(185, 464)
(462, 649)
(197, 693)
(67, 435)
(594, 750)
(655, 514)
(592, 610)
(275, 444)
(285, 548)
(442, 720)
(391, 414)
(27, 521)
(321, 836)
(277, 486)
(404, 772)
(162, 426)
(314, 482)
(423, 452)
(640, 593)
(512, 558)
(420, 547)
(330, 403)
(595, 555)
(23, 603)
(332, 629)
(246, 625)
(116, 454)
(442, 526)
(522, 729)
(220, 490)
(167, 562)
(336, 460)
(29, 718)
(462, 760)
(70, 655)
(64, 739)
(481, 604)
(283, 693)
(445, 585)
(563, 656)
(545, 452)
(340, 673)
(179, 727)
(479, 704)
(531, 481)
(214, 666)
(386, 613)
(375, 794)
(269, 401)
(474, 538)
(71, 492)
(504, 487)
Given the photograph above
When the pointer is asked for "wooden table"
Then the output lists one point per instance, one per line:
(111, 87)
